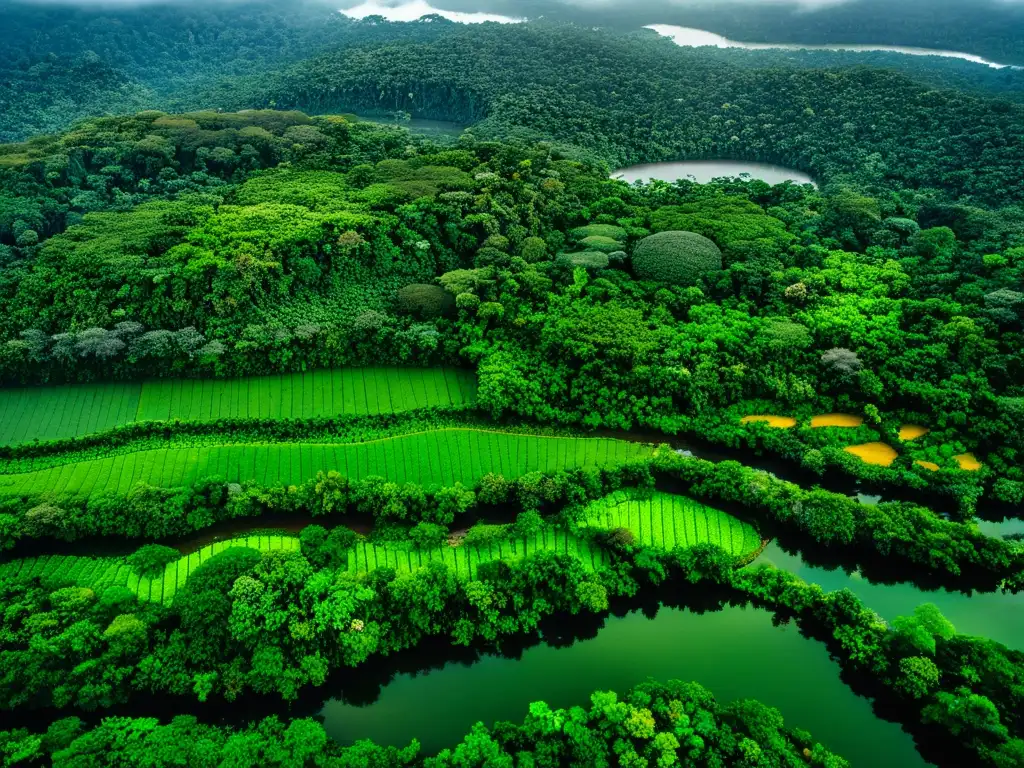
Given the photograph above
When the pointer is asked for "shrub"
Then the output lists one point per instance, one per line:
(428, 535)
(152, 559)
(311, 541)
(468, 301)
(617, 258)
(843, 362)
(534, 249)
(589, 260)
(491, 310)
(334, 551)
(609, 231)
(425, 301)
(481, 535)
(679, 258)
(621, 539)
(602, 244)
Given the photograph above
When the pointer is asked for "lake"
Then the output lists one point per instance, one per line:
(735, 652)
(704, 171)
(697, 38)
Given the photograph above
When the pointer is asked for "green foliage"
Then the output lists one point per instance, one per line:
(152, 559)
(590, 260)
(603, 231)
(600, 244)
(676, 258)
(425, 301)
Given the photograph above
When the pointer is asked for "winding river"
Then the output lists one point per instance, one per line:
(697, 38)
(736, 652)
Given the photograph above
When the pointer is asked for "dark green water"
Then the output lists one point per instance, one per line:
(736, 653)
(994, 615)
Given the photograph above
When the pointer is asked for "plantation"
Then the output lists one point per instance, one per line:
(659, 520)
(665, 521)
(101, 573)
(439, 457)
(48, 413)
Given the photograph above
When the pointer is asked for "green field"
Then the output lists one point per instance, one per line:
(667, 521)
(49, 413)
(98, 573)
(662, 520)
(434, 458)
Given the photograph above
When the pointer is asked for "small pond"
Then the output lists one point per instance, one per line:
(737, 653)
(704, 171)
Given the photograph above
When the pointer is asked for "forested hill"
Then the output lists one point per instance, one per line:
(59, 64)
(990, 28)
(878, 129)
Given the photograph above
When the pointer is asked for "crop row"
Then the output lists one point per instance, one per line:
(99, 573)
(661, 520)
(665, 520)
(49, 413)
(439, 457)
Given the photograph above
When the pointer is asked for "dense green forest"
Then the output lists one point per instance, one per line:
(286, 392)
(988, 28)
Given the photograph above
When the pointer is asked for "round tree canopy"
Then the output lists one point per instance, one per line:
(677, 258)
(425, 301)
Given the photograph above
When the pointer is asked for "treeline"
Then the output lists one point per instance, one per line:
(651, 722)
(902, 535)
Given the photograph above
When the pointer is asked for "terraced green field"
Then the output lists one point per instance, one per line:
(667, 521)
(434, 458)
(49, 413)
(366, 557)
(98, 573)
(662, 520)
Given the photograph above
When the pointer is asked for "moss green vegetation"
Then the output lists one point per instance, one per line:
(665, 520)
(99, 573)
(676, 258)
(48, 413)
(437, 457)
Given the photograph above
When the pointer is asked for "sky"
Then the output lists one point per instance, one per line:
(809, 5)
(440, 3)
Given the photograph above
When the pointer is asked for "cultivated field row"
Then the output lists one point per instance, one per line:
(49, 413)
(665, 520)
(439, 457)
(651, 520)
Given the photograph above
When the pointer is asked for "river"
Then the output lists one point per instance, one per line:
(696, 38)
(684, 36)
(735, 652)
(704, 171)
